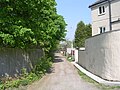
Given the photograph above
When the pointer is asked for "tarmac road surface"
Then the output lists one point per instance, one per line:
(63, 76)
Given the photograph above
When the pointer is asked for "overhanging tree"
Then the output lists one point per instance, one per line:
(30, 23)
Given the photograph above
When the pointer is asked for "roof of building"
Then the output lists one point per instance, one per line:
(97, 2)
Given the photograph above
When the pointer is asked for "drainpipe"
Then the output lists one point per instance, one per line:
(110, 20)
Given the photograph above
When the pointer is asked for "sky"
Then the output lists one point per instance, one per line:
(73, 12)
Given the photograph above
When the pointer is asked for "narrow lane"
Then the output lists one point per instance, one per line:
(64, 76)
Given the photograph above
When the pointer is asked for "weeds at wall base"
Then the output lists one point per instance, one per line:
(39, 70)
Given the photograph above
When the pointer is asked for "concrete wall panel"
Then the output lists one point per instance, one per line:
(13, 60)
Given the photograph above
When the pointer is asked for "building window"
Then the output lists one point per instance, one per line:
(101, 10)
(102, 29)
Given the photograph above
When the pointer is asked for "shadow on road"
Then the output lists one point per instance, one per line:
(51, 70)
(56, 60)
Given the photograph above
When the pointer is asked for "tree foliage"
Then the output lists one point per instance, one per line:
(65, 44)
(30, 23)
(83, 32)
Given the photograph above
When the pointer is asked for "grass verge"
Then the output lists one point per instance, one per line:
(100, 86)
(70, 59)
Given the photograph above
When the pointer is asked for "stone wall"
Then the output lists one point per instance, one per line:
(12, 60)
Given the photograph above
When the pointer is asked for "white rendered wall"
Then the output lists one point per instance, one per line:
(103, 55)
(69, 50)
(76, 55)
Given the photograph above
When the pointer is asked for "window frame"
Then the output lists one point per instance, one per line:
(101, 10)
(102, 29)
